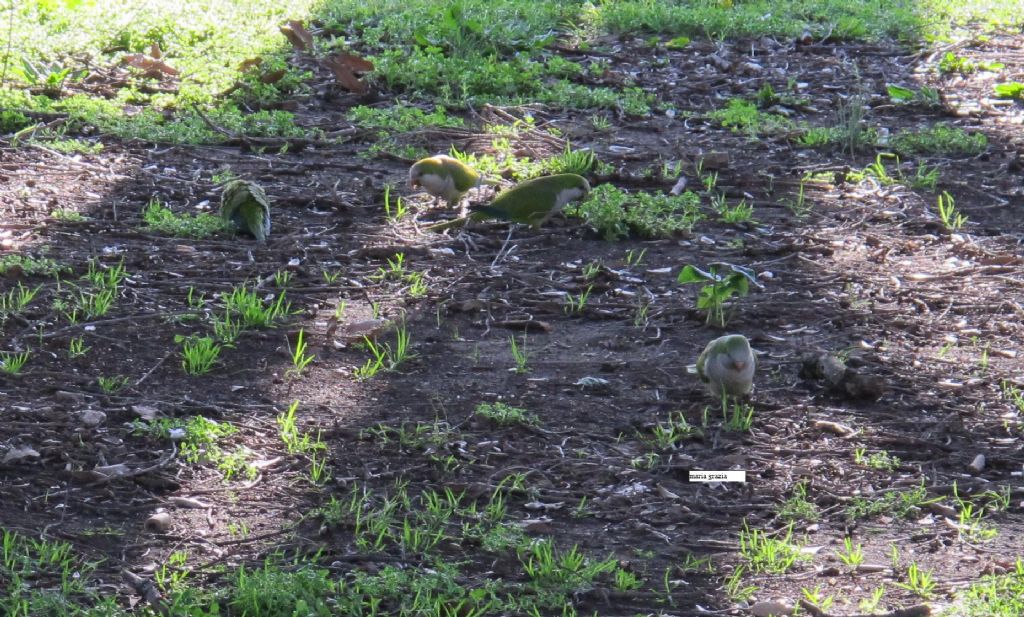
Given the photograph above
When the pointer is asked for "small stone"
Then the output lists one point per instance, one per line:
(92, 417)
(770, 608)
(159, 522)
(19, 453)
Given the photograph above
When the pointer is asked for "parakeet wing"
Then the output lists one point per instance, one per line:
(462, 175)
(245, 205)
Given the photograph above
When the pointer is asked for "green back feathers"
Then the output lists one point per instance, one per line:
(535, 201)
(245, 206)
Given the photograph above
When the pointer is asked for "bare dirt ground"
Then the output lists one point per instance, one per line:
(870, 270)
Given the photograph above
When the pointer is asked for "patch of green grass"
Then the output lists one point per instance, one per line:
(67, 145)
(401, 118)
(952, 63)
(940, 139)
(616, 214)
(881, 460)
(476, 51)
(12, 121)
(506, 415)
(899, 504)
(44, 577)
(28, 265)
(199, 442)
(993, 596)
(769, 554)
(837, 19)
(162, 220)
(244, 308)
(798, 507)
(744, 117)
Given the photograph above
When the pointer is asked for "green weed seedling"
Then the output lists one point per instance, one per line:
(634, 258)
(667, 435)
(918, 582)
(17, 299)
(952, 63)
(519, 355)
(296, 443)
(282, 278)
(384, 355)
(736, 590)
(737, 416)
(871, 603)
(253, 311)
(815, 597)
(198, 353)
(951, 218)
(852, 554)
(12, 363)
(300, 359)
(742, 212)
(768, 554)
(925, 97)
(77, 347)
(1011, 90)
(112, 384)
(393, 214)
(721, 282)
(575, 305)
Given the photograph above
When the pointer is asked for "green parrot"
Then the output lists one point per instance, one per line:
(727, 366)
(534, 202)
(245, 206)
(444, 177)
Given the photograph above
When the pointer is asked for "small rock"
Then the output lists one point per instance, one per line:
(112, 471)
(770, 608)
(74, 398)
(159, 522)
(19, 453)
(977, 465)
(92, 417)
(146, 412)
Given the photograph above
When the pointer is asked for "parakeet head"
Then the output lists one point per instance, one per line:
(737, 348)
(421, 168)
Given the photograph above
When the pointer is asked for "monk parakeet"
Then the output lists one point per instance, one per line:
(727, 366)
(244, 205)
(444, 177)
(535, 201)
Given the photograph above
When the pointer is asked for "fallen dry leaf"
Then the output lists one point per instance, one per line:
(249, 63)
(345, 67)
(151, 67)
(297, 35)
(273, 76)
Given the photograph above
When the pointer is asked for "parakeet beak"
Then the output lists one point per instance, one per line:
(739, 365)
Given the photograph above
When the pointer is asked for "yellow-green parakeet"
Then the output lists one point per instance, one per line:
(444, 177)
(245, 206)
(727, 366)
